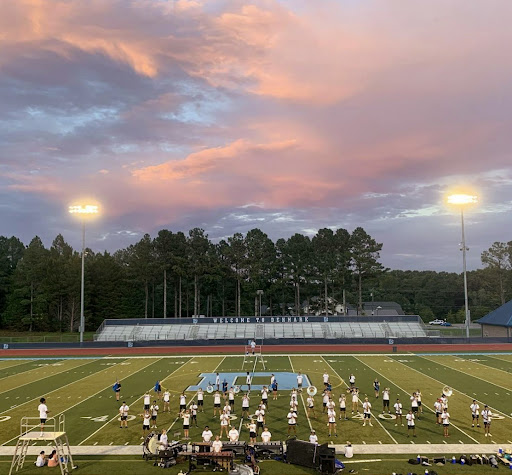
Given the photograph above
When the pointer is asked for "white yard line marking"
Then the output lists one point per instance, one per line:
(302, 399)
(375, 418)
(117, 414)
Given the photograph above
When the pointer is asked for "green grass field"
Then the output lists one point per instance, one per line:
(82, 390)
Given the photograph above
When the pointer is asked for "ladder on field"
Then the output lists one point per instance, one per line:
(30, 433)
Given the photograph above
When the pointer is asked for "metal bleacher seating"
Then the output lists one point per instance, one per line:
(375, 327)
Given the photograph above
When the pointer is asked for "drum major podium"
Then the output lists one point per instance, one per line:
(53, 435)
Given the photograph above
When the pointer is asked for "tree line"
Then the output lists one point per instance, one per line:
(179, 275)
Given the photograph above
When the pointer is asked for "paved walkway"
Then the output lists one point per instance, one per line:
(368, 449)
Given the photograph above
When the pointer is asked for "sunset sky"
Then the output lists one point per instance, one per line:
(286, 115)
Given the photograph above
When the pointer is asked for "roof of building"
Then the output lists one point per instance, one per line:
(502, 316)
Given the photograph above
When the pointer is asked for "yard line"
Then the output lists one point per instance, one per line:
(71, 407)
(467, 395)
(423, 404)
(375, 418)
(117, 414)
(302, 398)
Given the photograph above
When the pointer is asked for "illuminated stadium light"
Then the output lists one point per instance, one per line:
(87, 209)
(462, 199)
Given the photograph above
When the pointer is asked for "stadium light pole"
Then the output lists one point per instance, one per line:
(83, 212)
(463, 200)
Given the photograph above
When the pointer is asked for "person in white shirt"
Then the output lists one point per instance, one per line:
(147, 401)
(311, 405)
(300, 380)
(217, 445)
(154, 413)
(352, 380)
(313, 438)
(43, 414)
(343, 407)
(414, 405)
(183, 401)
(231, 398)
(217, 381)
(216, 403)
(252, 431)
(331, 420)
(367, 414)
(398, 412)
(325, 377)
(123, 413)
(227, 409)
(294, 394)
(385, 400)
(207, 434)
(272, 378)
(445, 417)
(266, 435)
(41, 459)
(233, 434)
(253, 346)
(264, 395)
(355, 400)
(186, 423)
(193, 413)
(411, 426)
(418, 398)
(224, 423)
(248, 381)
(349, 450)
(163, 440)
(438, 407)
(486, 417)
(475, 413)
(167, 399)
(294, 407)
(245, 406)
(200, 399)
(292, 422)
(325, 400)
(330, 403)
(146, 418)
(260, 419)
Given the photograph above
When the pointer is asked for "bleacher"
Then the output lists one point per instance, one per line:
(293, 328)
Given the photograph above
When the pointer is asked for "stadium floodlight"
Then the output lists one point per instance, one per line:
(83, 211)
(461, 200)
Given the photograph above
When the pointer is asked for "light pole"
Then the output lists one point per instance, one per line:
(463, 200)
(83, 212)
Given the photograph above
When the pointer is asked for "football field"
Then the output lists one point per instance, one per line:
(81, 389)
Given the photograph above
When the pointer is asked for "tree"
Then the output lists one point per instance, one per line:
(498, 260)
(11, 252)
(364, 252)
(237, 255)
(325, 251)
(199, 254)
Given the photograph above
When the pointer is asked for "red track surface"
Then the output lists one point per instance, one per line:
(236, 349)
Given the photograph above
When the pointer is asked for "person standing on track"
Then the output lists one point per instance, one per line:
(43, 414)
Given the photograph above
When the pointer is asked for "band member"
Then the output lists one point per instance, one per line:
(245, 406)
(376, 387)
(43, 414)
(438, 408)
(252, 431)
(325, 400)
(266, 435)
(352, 380)
(146, 418)
(445, 418)
(260, 419)
(486, 417)
(331, 421)
(264, 395)
(117, 389)
(274, 387)
(248, 380)
(207, 434)
(233, 434)
(193, 412)
(292, 422)
(217, 445)
(325, 377)
(183, 401)
(331, 405)
(154, 413)
(367, 412)
(123, 412)
(343, 407)
(414, 404)
(294, 406)
(147, 401)
(216, 403)
(158, 389)
(418, 398)
(186, 422)
(475, 413)
(411, 426)
(200, 399)
(313, 438)
(385, 400)
(355, 400)
(398, 412)
(167, 399)
(300, 380)
(231, 398)
(224, 423)
(217, 381)
(311, 405)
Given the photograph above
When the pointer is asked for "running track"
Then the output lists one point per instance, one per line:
(237, 349)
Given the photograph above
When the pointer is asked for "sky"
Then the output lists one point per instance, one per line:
(288, 116)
